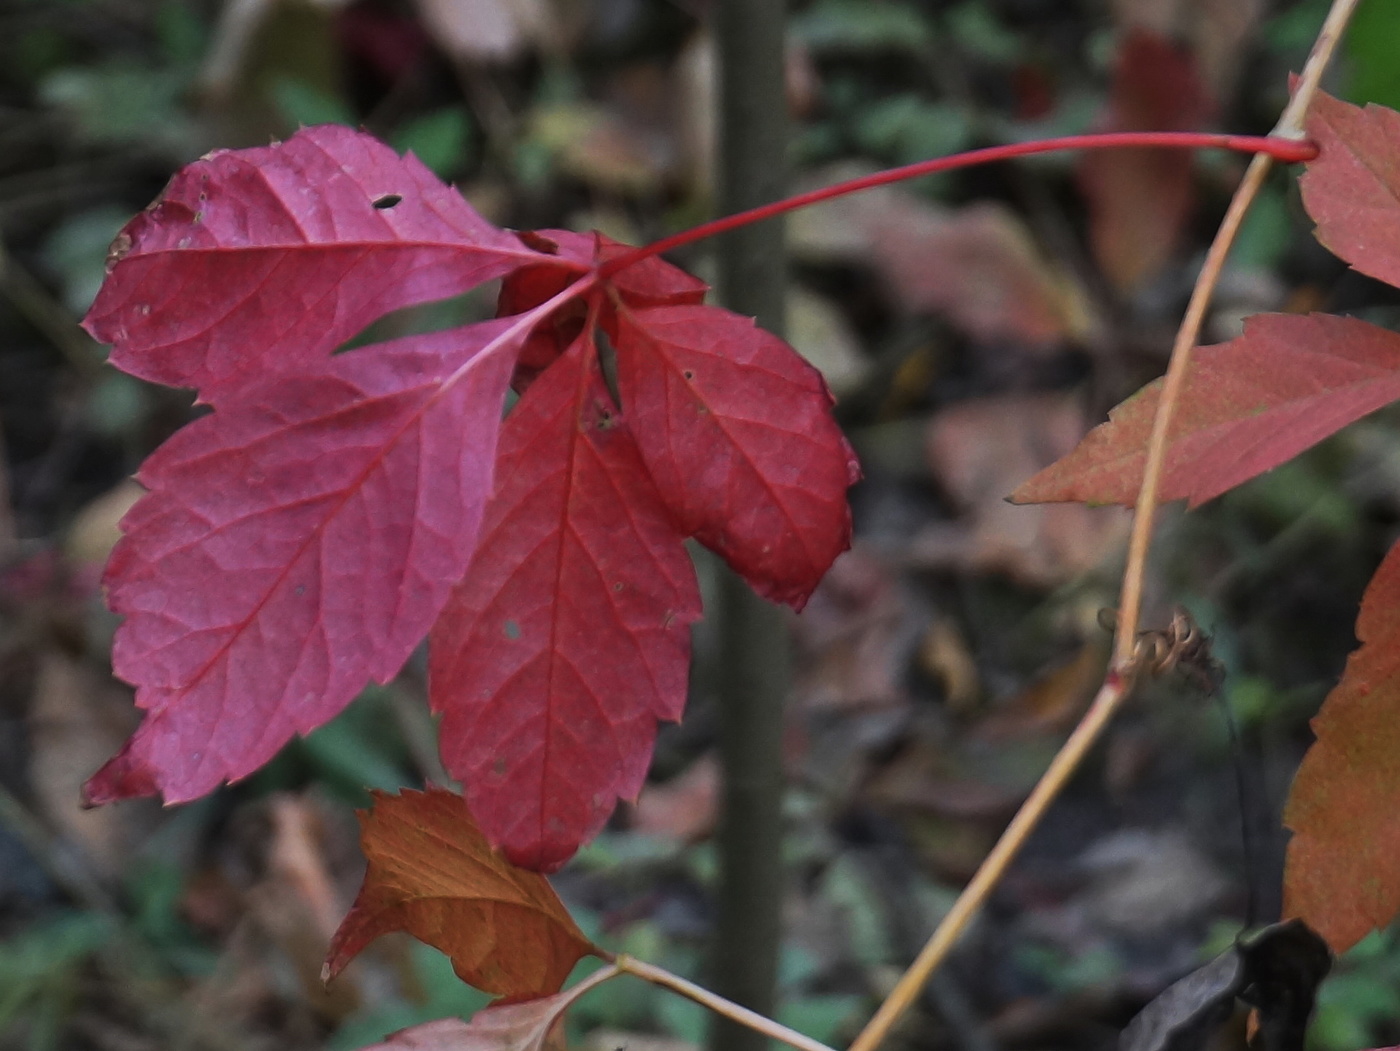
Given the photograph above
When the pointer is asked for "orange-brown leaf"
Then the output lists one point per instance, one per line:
(1248, 405)
(1341, 876)
(432, 873)
(508, 1027)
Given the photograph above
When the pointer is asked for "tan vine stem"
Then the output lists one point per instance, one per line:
(728, 1008)
(1290, 125)
(1118, 681)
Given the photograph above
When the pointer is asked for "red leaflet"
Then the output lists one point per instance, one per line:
(1248, 405)
(265, 260)
(1341, 875)
(570, 636)
(295, 544)
(1352, 190)
(736, 429)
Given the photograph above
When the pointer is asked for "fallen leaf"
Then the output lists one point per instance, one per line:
(77, 717)
(685, 807)
(1277, 971)
(1052, 702)
(977, 450)
(485, 30)
(1139, 199)
(95, 531)
(432, 873)
(1247, 406)
(978, 264)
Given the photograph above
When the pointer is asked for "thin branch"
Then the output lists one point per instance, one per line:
(718, 1004)
(1291, 124)
(1119, 680)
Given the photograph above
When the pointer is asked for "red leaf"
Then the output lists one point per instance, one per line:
(432, 873)
(737, 431)
(1341, 876)
(1248, 405)
(262, 260)
(1352, 188)
(296, 543)
(570, 635)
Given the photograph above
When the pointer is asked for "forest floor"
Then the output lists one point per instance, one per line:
(973, 327)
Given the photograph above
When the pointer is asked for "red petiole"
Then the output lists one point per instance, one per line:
(1288, 151)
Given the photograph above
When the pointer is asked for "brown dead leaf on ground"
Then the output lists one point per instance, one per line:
(858, 635)
(1053, 702)
(684, 808)
(598, 146)
(95, 529)
(77, 716)
(980, 451)
(1140, 199)
(297, 903)
(487, 30)
(977, 264)
(1217, 31)
(945, 656)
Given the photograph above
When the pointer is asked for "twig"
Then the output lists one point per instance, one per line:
(718, 1004)
(1119, 679)
(1290, 125)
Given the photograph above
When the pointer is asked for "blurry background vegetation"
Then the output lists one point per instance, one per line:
(973, 327)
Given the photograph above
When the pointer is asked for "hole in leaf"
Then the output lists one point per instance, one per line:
(387, 200)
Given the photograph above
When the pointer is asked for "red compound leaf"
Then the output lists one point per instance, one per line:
(295, 544)
(570, 636)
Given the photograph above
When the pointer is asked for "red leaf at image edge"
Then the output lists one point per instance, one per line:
(1340, 876)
